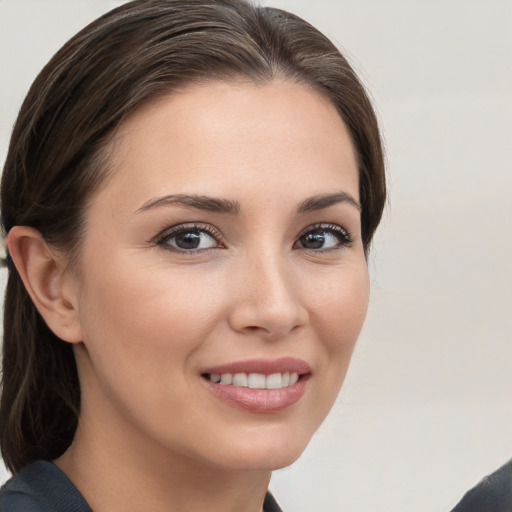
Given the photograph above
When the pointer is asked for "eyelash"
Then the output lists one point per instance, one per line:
(343, 237)
(213, 233)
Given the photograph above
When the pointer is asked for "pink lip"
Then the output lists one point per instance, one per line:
(260, 400)
(264, 366)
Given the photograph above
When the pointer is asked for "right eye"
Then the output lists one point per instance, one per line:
(190, 239)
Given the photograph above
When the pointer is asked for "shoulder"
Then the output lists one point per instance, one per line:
(41, 487)
(270, 504)
(493, 493)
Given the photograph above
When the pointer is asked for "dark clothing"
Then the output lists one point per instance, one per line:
(270, 504)
(492, 494)
(43, 487)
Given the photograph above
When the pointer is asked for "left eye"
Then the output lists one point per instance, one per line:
(323, 238)
(189, 239)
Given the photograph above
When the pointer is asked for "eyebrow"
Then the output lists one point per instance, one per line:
(210, 204)
(324, 201)
(217, 205)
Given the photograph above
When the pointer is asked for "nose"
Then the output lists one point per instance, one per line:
(266, 300)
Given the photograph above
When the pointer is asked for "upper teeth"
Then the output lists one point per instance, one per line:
(256, 380)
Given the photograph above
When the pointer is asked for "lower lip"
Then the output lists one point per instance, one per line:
(259, 400)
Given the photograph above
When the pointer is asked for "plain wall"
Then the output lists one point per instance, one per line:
(426, 409)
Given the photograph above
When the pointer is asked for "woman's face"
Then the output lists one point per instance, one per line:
(225, 246)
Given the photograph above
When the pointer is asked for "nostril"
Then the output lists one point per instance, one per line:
(270, 318)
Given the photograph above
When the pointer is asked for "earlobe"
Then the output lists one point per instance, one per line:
(42, 271)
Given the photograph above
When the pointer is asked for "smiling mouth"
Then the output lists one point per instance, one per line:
(259, 385)
(254, 380)
(258, 392)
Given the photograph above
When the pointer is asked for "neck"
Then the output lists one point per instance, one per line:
(115, 471)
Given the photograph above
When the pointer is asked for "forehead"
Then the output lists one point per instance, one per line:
(225, 138)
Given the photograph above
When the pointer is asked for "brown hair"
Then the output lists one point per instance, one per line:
(57, 159)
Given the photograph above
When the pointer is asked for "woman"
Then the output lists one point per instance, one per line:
(188, 200)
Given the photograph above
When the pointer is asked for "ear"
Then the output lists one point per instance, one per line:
(52, 290)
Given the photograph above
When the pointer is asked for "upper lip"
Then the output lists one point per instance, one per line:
(264, 366)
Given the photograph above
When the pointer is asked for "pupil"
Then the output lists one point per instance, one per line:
(313, 240)
(188, 241)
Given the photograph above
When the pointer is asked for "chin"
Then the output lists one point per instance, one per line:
(264, 452)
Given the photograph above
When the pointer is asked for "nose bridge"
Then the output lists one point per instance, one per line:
(268, 298)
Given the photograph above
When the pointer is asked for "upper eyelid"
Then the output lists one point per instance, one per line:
(327, 226)
(332, 227)
(216, 234)
(169, 232)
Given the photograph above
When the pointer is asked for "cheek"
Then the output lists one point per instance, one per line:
(146, 315)
(341, 305)
(338, 315)
(142, 336)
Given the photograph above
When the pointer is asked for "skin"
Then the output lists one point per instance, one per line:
(147, 318)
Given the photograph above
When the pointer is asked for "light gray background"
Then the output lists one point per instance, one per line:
(426, 409)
